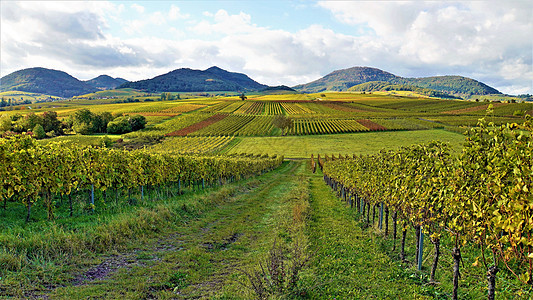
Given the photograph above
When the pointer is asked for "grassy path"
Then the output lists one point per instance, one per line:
(200, 258)
(348, 263)
(217, 235)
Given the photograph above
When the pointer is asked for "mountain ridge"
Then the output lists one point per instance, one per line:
(190, 80)
(106, 82)
(60, 84)
(45, 81)
(344, 79)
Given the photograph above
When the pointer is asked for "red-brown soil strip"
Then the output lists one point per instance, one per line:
(371, 125)
(197, 126)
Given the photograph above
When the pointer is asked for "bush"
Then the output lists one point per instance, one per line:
(38, 132)
(137, 122)
(119, 125)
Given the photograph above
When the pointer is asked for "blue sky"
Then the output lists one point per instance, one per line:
(274, 42)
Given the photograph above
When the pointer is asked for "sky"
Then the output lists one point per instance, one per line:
(273, 42)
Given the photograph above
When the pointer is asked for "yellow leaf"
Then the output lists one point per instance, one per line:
(476, 263)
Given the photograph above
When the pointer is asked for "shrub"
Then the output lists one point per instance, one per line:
(38, 132)
(119, 125)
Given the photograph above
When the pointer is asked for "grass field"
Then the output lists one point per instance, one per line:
(352, 143)
(202, 244)
(19, 96)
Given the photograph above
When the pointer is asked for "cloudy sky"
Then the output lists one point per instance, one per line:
(274, 42)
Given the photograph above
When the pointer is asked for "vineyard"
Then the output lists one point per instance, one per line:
(189, 215)
(31, 172)
(481, 199)
(192, 145)
(321, 126)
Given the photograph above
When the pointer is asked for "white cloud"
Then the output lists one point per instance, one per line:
(139, 8)
(225, 23)
(175, 13)
(488, 42)
(475, 37)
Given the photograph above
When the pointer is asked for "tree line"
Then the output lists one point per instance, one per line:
(83, 121)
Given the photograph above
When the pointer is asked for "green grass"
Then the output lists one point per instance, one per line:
(353, 143)
(349, 264)
(359, 238)
(43, 255)
(197, 245)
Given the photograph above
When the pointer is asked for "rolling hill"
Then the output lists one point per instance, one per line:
(374, 86)
(342, 80)
(280, 89)
(105, 82)
(189, 80)
(45, 81)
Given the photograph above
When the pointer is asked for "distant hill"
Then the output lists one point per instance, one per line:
(342, 80)
(280, 89)
(105, 82)
(189, 80)
(457, 85)
(45, 81)
(374, 86)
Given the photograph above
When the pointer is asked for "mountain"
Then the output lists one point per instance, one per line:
(457, 85)
(342, 80)
(374, 86)
(105, 82)
(280, 89)
(45, 81)
(189, 80)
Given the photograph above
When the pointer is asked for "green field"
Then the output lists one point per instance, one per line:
(352, 143)
(323, 122)
(190, 241)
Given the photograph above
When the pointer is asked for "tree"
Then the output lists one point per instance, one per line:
(137, 122)
(38, 132)
(51, 123)
(5, 123)
(243, 97)
(284, 123)
(30, 121)
(83, 121)
(119, 125)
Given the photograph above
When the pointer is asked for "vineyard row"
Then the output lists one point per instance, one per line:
(29, 170)
(482, 197)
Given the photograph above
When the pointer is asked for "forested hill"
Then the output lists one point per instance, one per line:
(374, 86)
(342, 80)
(458, 85)
(105, 82)
(189, 80)
(45, 81)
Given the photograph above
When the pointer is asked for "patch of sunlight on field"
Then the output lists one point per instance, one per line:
(352, 143)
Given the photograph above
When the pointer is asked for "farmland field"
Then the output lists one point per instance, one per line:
(350, 143)
(201, 228)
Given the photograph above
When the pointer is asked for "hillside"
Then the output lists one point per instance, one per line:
(106, 82)
(281, 89)
(457, 85)
(342, 80)
(189, 80)
(374, 86)
(45, 81)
